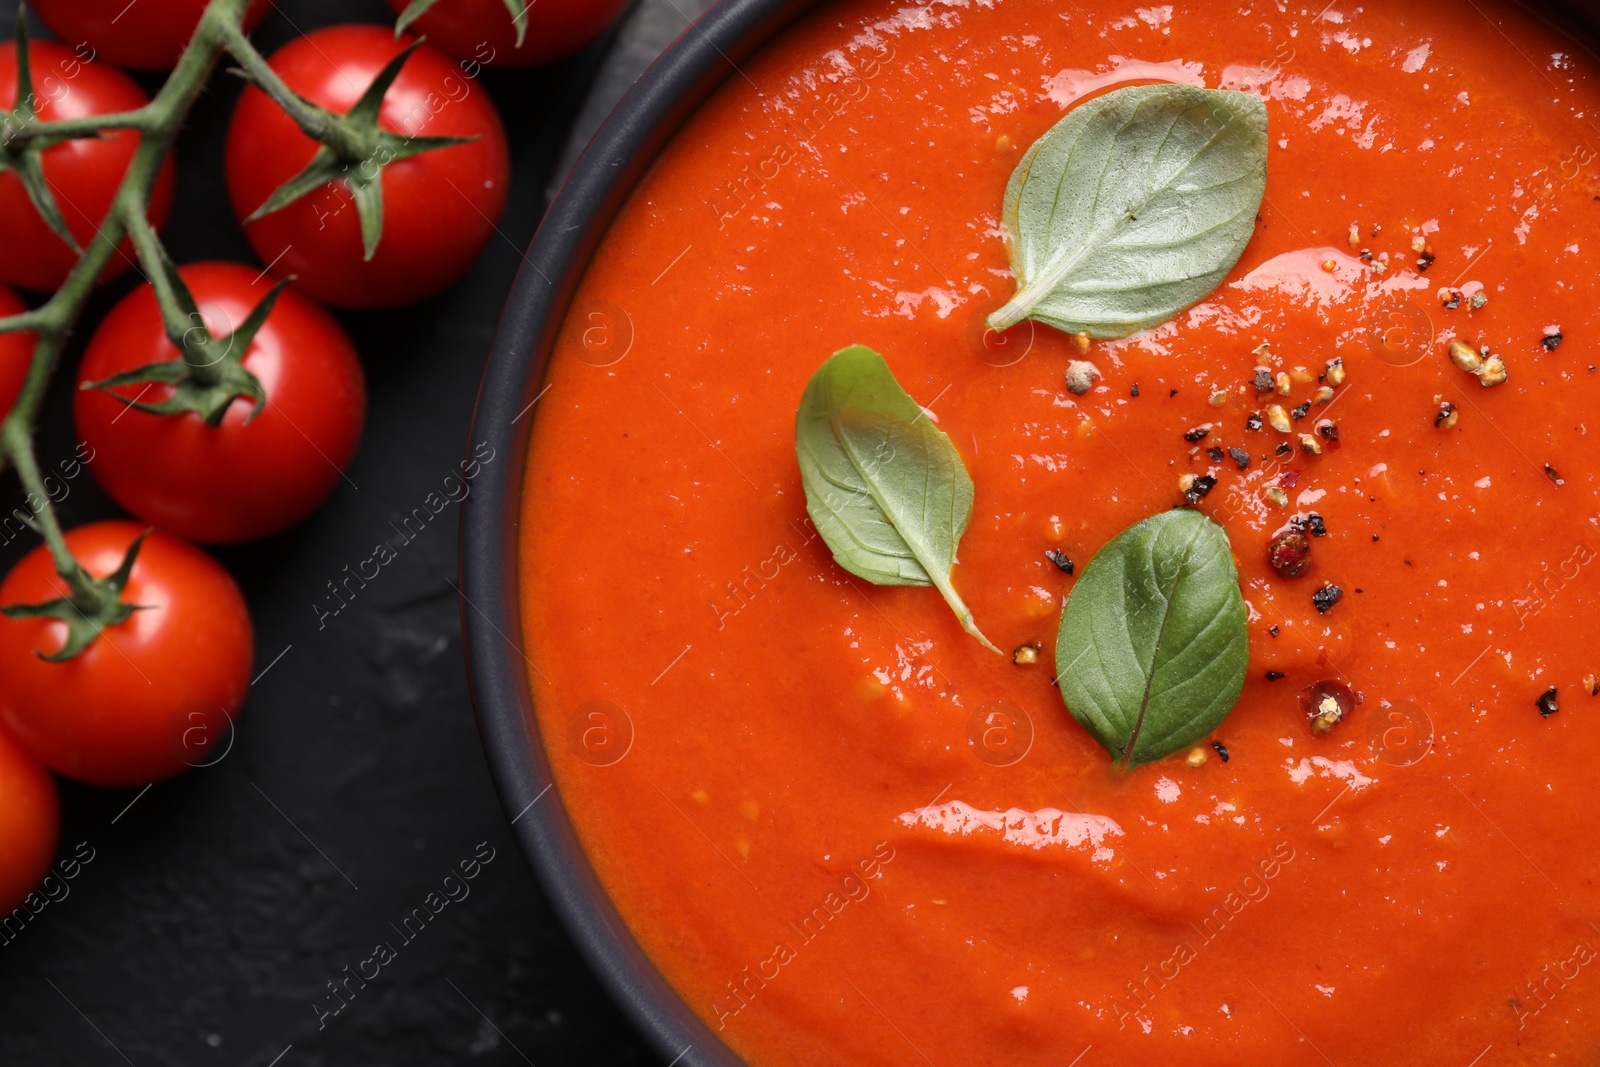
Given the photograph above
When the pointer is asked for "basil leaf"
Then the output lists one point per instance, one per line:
(885, 487)
(1153, 645)
(1132, 207)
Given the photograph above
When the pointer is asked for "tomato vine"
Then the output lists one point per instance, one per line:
(209, 376)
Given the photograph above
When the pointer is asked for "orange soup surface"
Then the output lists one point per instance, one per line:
(849, 834)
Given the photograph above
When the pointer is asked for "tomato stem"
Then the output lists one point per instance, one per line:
(315, 122)
(157, 124)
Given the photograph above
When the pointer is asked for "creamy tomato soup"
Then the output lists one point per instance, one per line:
(845, 831)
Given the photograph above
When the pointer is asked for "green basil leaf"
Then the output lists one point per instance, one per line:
(885, 487)
(1133, 207)
(1153, 645)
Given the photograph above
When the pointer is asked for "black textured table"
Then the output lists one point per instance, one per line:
(219, 906)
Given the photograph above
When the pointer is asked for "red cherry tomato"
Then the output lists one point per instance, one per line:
(482, 30)
(16, 353)
(30, 823)
(438, 208)
(147, 35)
(152, 695)
(240, 480)
(84, 174)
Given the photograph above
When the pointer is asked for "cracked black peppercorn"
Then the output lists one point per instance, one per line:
(1199, 433)
(1060, 559)
(1198, 490)
(1301, 412)
(1254, 421)
(1551, 341)
(1222, 750)
(1547, 704)
(1241, 457)
(1326, 597)
(1273, 676)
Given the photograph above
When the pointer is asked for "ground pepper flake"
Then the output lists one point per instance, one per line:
(1554, 475)
(1199, 433)
(1215, 454)
(1551, 341)
(1326, 597)
(1547, 704)
(1424, 261)
(1060, 559)
(1134, 392)
(1274, 676)
(1254, 421)
(1222, 750)
(1262, 379)
(1301, 411)
(1241, 457)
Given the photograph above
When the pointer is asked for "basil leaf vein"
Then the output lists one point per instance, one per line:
(1153, 645)
(885, 487)
(1133, 207)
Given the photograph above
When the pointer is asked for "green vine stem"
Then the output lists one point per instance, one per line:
(157, 125)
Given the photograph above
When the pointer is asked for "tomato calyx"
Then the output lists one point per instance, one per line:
(518, 10)
(94, 605)
(22, 156)
(210, 373)
(353, 149)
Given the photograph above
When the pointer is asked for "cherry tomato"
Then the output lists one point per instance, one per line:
(84, 174)
(16, 353)
(147, 35)
(482, 30)
(438, 207)
(150, 696)
(30, 823)
(246, 478)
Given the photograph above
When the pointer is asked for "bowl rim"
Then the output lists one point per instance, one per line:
(703, 56)
(643, 121)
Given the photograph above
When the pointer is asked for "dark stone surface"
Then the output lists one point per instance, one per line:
(220, 904)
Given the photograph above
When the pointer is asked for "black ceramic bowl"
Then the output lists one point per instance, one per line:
(684, 75)
(653, 110)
